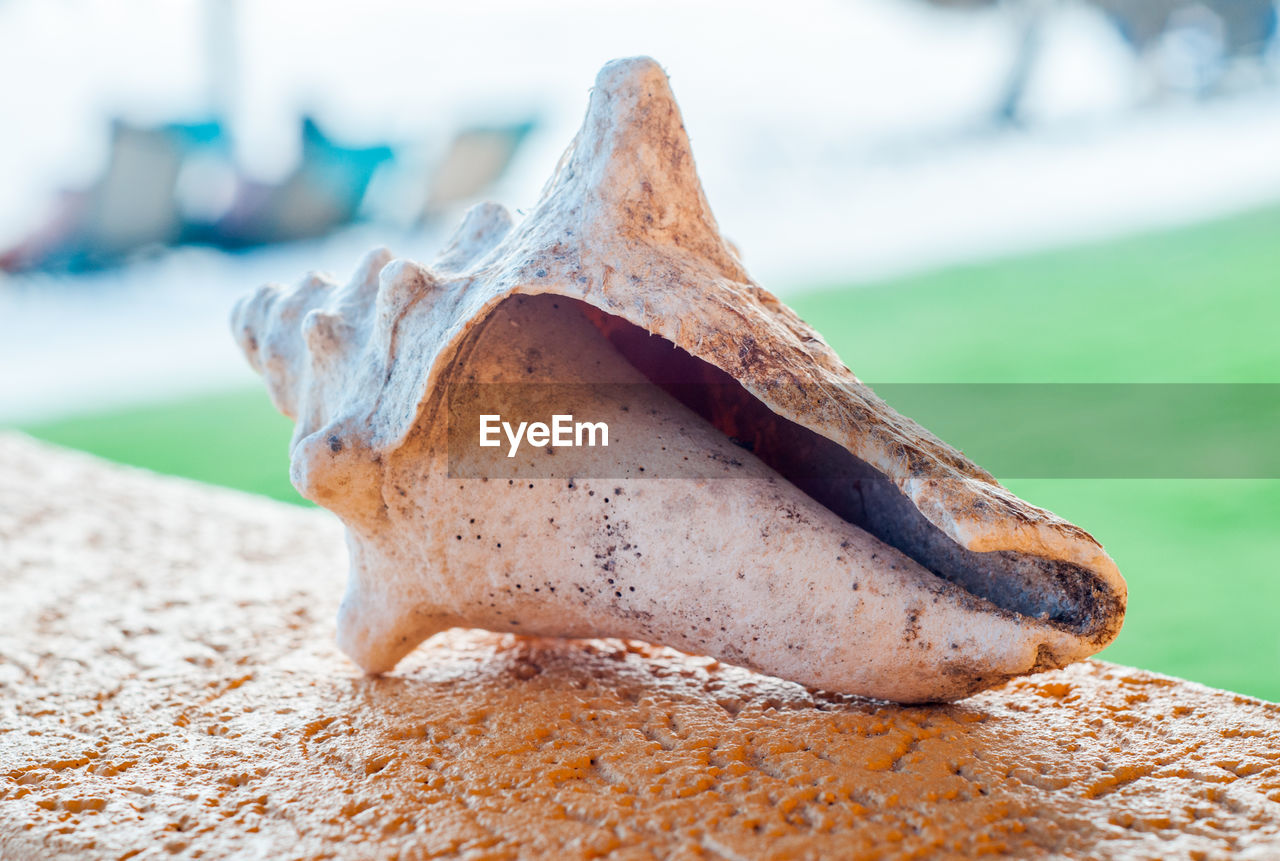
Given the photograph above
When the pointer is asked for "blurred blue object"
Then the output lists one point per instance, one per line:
(476, 158)
(179, 184)
(136, 203)
(322, 193)
(129, 207)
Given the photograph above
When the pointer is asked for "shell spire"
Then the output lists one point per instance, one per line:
(630, 174)
(482, 228)
(632, 157)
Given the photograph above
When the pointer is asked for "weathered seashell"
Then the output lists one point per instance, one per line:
(852, 551)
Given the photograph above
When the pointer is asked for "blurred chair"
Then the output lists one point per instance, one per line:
(475, 159)
(322, 193)
(130, 206)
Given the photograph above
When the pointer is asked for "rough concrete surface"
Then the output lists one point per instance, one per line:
(169, 686)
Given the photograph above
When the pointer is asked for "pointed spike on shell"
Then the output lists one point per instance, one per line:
(261, 323)
(482, 228)
(329, 467)
(324, 332)
(364, 280)
(316, 280)
(631, 167)
(292, 303)
(248, 319)
(402, 281)
(400, 284)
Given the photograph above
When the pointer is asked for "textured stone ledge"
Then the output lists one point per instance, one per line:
(168, 685)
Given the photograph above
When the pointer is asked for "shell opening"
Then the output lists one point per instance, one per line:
(1060, 593)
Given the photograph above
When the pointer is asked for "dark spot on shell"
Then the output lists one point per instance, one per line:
(913, 626)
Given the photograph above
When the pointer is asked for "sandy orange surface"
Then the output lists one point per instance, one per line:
(169, 686)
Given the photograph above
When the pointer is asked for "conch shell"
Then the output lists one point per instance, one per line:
(853, 551)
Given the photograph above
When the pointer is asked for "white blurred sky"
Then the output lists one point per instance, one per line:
(866, 113)
(839, 141)
(404, 69)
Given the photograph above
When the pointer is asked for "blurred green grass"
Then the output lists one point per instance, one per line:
(235, 438)
(1197, 304)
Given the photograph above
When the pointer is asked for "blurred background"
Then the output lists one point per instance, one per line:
(1009, 191)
